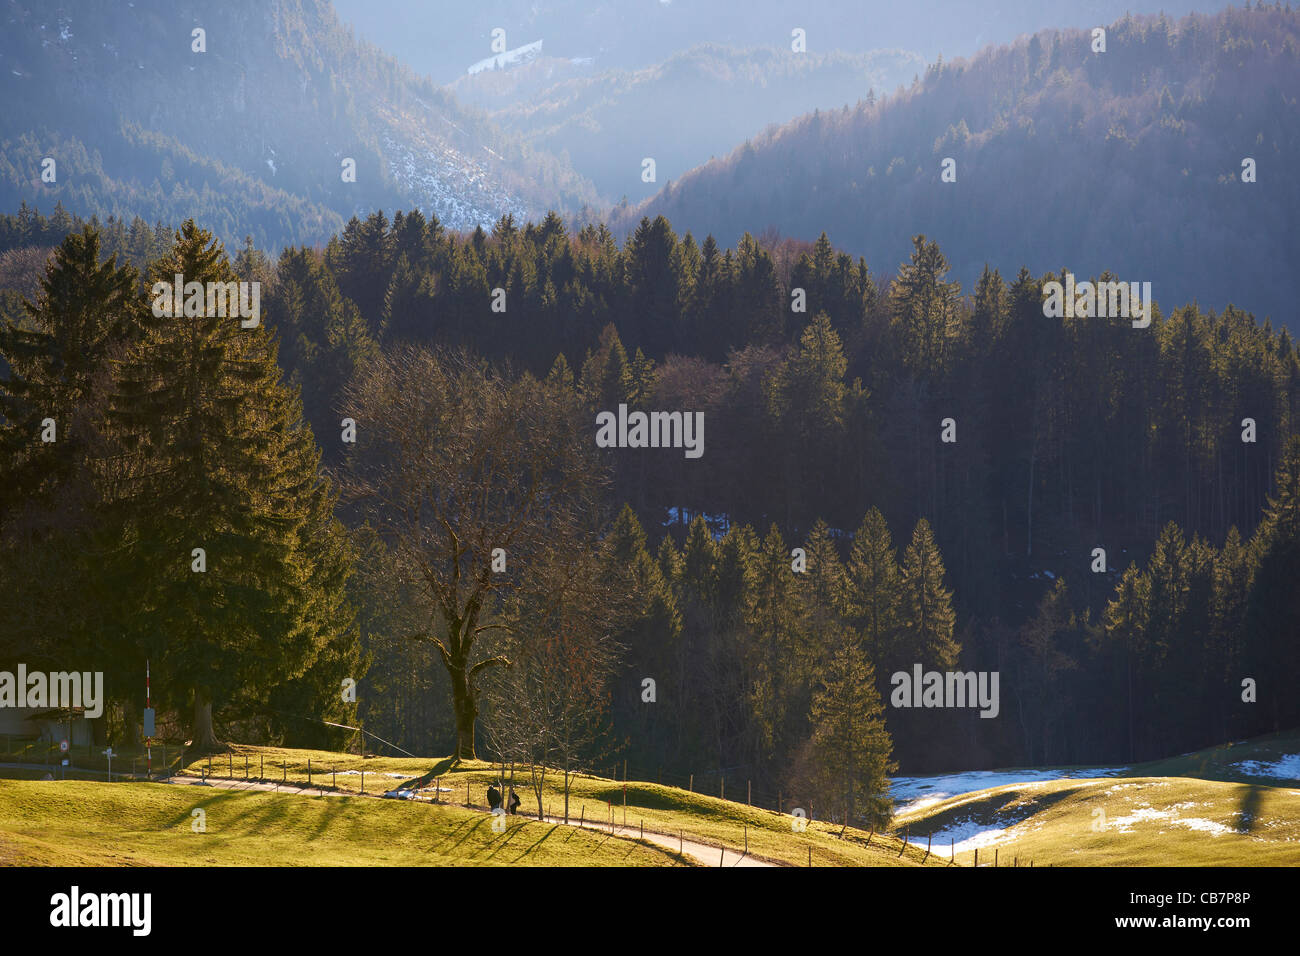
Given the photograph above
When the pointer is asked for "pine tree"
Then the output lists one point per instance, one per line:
(823, 596)
(57, 604)
(219, 459)
(1125, 624)
(875, 591)
(773, 651)
(925, 309)
(927, 612)
(850, 746)
(86, 308)
(1272, 654)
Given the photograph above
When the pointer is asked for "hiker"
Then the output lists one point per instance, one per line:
(514, 801)
(494, 796)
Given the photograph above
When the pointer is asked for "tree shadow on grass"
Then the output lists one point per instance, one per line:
(451, 834)
(1248, 811)
(214, 799)
(544, 837)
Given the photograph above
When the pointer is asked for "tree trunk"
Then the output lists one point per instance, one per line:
(131, 725)
(203, 738)
(463, 703)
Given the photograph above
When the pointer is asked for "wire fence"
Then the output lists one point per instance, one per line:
(250, 767)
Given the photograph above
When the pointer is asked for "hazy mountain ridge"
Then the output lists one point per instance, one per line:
(283, 93)
(443, 40)
(693, 106)
(1153, 132)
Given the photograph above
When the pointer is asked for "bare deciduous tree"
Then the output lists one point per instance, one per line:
(484, 487)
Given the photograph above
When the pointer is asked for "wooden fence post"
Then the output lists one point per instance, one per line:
(906, 830)
(995, 858)
(691, 786)
(749, 793)
(871, 834)
(977, 856)
(927, 847)
(309, 772)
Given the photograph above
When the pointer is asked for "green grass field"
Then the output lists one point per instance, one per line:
(77, 823)
(666, 809)
(1199, 809)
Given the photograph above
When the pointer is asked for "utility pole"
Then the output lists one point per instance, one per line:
(148, 725)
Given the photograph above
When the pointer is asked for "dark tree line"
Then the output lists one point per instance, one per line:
(979, 553)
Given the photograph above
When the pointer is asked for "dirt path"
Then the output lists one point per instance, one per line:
(708, 854)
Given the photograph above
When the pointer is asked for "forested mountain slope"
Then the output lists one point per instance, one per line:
(1129, 160)
(250, 134)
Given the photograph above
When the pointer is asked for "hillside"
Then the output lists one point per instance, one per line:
(1230, 806)
(694, 106)
(76, 823)
(332, 823)
(444, 39)
(251, 133)
(1234, 805)
(1129, 159)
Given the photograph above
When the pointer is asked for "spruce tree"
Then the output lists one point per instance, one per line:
(1272, 653)
(850, 746)
(928, 617)
(875, 589)
(220, 459)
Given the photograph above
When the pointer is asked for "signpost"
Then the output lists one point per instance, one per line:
(110, 755)
(63, 749)
(148, 726)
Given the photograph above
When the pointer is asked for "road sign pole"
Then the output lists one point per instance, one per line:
(148, 740)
